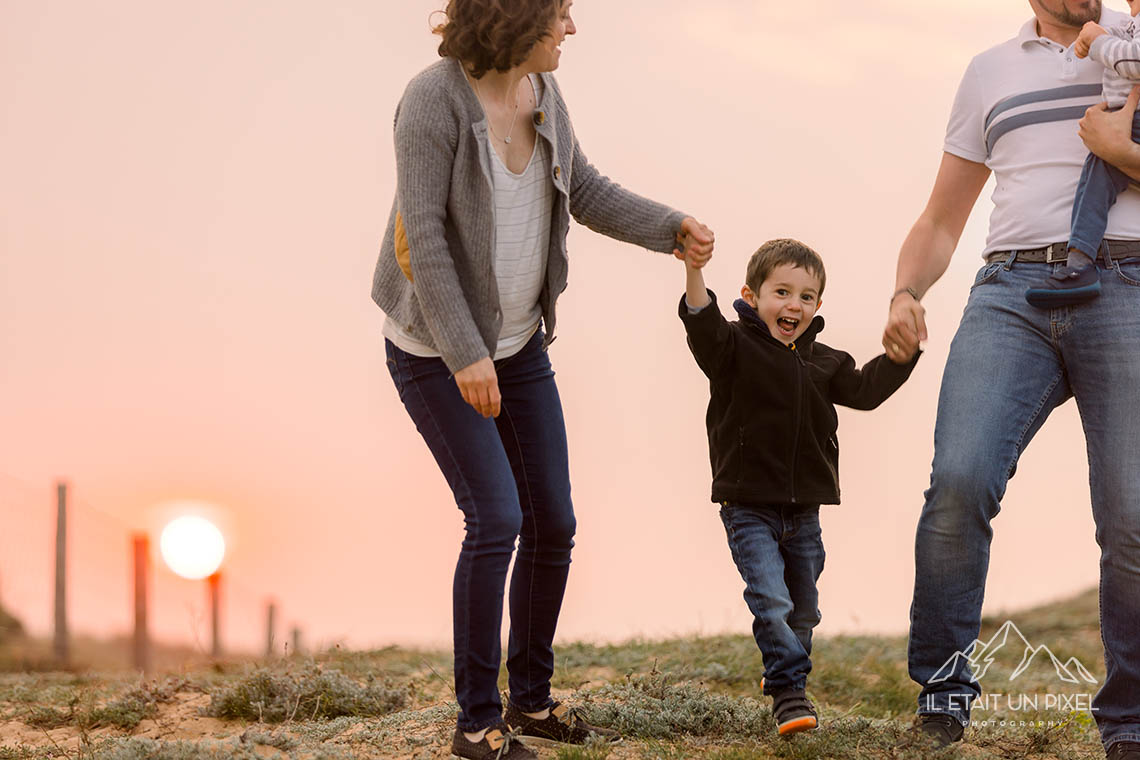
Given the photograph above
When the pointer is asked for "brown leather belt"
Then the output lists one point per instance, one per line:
(1058, 253)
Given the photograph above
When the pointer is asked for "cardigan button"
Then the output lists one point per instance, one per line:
(557, 172)
(539, 118)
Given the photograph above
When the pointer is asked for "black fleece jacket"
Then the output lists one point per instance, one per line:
(771, 419)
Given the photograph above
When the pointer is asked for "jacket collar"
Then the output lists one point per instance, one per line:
(749, 317)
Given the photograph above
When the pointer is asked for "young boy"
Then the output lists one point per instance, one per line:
(771, 426)
(1118, 50)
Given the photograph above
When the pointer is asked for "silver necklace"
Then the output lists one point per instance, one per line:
(518, 99)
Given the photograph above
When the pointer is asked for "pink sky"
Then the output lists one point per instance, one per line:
(193, 198)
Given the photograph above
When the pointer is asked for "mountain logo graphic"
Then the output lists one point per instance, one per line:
(981, 655)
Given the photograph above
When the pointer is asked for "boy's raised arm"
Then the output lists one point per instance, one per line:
(709, 336)
(696, 294)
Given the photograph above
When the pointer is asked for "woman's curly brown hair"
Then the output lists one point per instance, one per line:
(494, 34)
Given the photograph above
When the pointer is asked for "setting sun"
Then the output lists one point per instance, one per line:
(192, 547)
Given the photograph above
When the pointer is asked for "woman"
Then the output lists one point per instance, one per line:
(488, 176)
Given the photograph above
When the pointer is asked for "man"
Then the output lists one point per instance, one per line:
(1016, 115)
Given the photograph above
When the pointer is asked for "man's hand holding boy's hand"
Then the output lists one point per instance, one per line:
(1089, 32)
(906, 327)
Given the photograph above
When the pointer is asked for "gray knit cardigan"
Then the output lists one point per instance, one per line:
(435, 275)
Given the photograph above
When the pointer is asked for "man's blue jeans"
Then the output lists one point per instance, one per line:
(1009, 366)
(511, 478)
(1097, 190)
(778, 550)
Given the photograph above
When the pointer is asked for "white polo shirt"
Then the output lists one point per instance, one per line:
(1016, 111)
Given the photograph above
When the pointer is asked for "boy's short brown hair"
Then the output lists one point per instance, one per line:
(497, 35)
(783, 251)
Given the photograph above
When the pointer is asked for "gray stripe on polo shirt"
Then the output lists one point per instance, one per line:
(1030, 118)
(1056, 93)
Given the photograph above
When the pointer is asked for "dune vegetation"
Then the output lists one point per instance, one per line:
(671, 699)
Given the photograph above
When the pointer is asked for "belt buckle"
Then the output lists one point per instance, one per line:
(1050, 249)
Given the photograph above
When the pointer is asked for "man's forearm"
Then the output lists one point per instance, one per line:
(1128, 160)
(924, 256)
(1108, 135)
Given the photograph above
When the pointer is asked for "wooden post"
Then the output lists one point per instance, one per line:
(270, 625)
(141, 658)
(296, 640)
(62, 647)
(215, 584)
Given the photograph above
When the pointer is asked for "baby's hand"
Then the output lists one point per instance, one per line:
(1089, 32)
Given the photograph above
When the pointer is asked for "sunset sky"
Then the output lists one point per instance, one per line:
(193, 197)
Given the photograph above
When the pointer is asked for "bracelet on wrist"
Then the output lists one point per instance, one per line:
(910, 291)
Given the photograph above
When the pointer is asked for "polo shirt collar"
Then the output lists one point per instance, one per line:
(1028, 32)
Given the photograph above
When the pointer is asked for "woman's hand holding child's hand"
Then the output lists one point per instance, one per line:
(693, 258)
(694, 237)
(1089, 32)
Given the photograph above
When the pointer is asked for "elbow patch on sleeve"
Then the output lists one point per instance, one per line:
(403, 252)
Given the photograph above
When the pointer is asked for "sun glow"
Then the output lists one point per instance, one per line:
(192, 547)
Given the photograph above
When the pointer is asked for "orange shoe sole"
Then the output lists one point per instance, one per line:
(806, 723)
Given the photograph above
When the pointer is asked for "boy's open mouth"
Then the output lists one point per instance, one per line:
(787, 325)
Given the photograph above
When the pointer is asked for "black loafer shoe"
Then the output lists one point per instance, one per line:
(937, 730)
(1124, 751)
(563, 726)
(499, 743)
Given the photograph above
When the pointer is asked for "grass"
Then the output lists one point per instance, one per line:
(125, 711)
(653, 707)
(595, 748)
(150, 749)
(673, 699)
(315, 693)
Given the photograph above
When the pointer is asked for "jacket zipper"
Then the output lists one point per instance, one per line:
(799, 414)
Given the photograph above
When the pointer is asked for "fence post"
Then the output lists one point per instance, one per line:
(270, 626)
(62, 647)
(141, 552)
(215, 584)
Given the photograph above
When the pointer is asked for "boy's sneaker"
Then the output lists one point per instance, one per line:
(563, 726)
(1124, 751)
(1068, 286)
(499, 743)
(793, 712)
(937, 730)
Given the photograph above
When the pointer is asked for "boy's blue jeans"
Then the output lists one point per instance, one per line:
(1009, 366)
(510, 477)
(1097, 190)
(778, 550)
